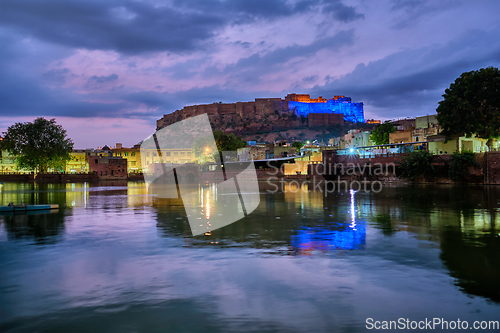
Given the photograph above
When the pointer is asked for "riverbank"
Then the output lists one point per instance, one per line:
(63, 177)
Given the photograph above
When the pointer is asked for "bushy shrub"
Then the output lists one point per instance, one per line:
(415, 164)
(460, 164)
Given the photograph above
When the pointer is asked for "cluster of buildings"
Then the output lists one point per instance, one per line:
(116, 162)
(420, 132)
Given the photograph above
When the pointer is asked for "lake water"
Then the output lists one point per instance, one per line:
(114, 259)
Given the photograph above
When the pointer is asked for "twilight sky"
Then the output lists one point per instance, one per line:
(106, 69)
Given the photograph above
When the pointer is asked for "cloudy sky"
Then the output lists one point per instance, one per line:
(106, 69)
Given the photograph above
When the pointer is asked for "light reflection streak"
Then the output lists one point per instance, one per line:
(353, 211)
(207, 206)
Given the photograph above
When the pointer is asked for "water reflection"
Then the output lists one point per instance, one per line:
(117, 255)
(42, 228)
(298, 220)
(464, 222)
(310, 239)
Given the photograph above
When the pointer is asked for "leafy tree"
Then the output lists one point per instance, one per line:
(202, 148)
(471, 105)
(380, 135)
(460, 163)
(228, 142)
(298, 145)
(417, 163)
(39, 145)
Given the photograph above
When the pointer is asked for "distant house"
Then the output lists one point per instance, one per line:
(78, 161)
(424, 127)
(362, 139)
(349, 137)
(132, 155)
(438, 144)
(400, 136)
(108, 168)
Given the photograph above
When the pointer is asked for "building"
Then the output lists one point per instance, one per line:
(169, 156)
(283, 149)
(100, 152)
(258, 152)
(349, 138)
(362, 139)
(107, 167)
(337, 143)
(401, 136)
(303, 105)
(404, 124)
(8, 163)
(78, 162)
(438, 144)
(132, 155)
(424, 127)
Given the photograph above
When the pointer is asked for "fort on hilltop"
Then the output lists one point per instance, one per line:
(271, 114)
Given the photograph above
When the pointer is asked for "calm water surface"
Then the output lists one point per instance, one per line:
(113, 259)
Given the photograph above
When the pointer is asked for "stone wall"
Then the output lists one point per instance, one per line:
(270, 114)
(488, 171)
(492, 168)
(325, 119)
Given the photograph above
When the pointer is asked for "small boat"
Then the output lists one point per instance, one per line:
(26, 208)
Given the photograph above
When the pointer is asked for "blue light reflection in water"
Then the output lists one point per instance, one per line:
(341, 236)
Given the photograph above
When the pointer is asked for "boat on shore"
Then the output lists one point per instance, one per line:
(26, 208)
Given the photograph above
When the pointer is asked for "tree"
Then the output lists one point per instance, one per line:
(228, 142)
(460, 164)
(380, 135)
(471, 105)
(298, 145)
(39, 145)
(417, 163)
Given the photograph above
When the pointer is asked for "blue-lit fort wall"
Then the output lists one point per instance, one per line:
(352, 111)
